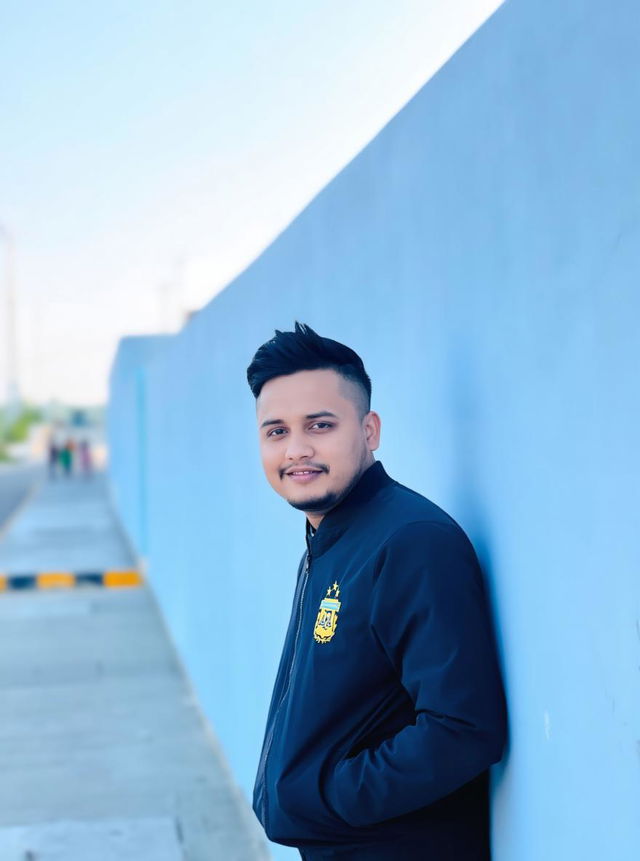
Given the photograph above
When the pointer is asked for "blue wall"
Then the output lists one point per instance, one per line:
(127, 433)
(483, 255)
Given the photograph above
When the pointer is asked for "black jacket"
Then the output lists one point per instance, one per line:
(388, 707)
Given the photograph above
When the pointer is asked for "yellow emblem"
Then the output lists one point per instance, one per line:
(327, 618)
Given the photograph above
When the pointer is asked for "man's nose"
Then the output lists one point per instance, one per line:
(298, 446)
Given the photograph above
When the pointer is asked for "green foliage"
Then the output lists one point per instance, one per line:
(18, 429)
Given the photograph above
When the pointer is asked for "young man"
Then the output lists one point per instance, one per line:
(387, 708)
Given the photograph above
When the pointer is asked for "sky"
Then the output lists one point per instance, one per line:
(150, 149)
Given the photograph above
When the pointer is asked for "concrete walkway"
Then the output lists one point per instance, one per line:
(67, 526)
(105, 755)
(16, 481)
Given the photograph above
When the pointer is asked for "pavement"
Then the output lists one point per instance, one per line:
(105, 753)
(15, 483)
(67, 524)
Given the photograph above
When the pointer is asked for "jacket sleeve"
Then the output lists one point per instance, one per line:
(430, 616)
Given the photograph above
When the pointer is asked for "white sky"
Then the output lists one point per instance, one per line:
(150, 150)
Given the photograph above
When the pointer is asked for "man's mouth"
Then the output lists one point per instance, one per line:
(301, 476)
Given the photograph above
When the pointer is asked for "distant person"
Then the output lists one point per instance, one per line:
(387, 708)
(66, 457)
(54, 453)
(86, 461)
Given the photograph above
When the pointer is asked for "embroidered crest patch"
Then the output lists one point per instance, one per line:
(327, 618)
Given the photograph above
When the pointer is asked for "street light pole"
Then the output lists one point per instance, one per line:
(13, 392)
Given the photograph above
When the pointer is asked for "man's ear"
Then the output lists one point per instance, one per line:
(372, 426)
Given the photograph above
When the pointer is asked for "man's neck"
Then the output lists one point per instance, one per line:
(314, 520)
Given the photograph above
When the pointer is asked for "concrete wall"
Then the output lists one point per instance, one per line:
(127, 433)
(482, 254)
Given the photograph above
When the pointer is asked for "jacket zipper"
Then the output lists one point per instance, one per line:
(262, 767)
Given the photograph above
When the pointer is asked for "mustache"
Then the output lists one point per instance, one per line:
(320, 466)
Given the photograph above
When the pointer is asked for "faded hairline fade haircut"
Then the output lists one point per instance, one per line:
(305, 350)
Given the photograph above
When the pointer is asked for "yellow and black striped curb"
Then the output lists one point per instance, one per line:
(65, 579)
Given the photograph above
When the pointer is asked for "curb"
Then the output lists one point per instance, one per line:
(64, 579)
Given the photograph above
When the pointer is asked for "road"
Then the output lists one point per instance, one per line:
(15, 483)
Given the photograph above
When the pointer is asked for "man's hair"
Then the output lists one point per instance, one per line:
(305, 350)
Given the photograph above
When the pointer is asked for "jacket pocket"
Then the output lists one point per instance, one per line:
(298, 809)
(298, 806)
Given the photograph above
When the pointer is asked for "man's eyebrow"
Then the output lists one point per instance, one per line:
(308, 417)
(320, 414)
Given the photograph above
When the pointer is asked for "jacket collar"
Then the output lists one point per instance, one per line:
(338, 520)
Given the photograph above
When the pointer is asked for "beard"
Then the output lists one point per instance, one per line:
(319, 503)
(328, 501)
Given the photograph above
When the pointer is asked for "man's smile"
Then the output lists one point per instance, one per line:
(303, 475)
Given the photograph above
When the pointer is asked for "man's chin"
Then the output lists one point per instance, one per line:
(325, 502)
(318, 504)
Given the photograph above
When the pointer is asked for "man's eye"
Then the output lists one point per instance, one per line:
(322, 425)
(276, 432)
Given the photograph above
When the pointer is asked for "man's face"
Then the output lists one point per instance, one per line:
(314, 443)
